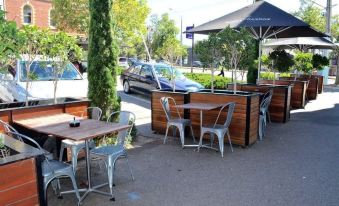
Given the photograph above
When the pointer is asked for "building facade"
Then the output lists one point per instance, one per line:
(30, 12)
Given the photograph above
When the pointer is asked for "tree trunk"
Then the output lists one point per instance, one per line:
(337, 75)
(55, 90)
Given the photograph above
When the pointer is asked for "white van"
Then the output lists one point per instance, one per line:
(13, 84)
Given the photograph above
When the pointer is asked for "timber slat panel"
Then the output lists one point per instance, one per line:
(239, 130)
(280, 104)
(298, 92)
(18, 183)
(312, 87)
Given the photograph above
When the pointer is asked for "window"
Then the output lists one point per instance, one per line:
(27, 14)
(146, 71)
(52, 19)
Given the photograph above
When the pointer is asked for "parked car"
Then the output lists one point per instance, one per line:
(13, 84)
(145, 77)
(197, 64)
(123, 62)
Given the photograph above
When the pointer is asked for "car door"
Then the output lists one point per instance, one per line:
(133, 77)
(147, 81)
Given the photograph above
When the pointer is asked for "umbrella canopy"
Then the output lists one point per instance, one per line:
(301, 43)
(264, 21)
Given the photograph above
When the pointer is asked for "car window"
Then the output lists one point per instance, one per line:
(43, 71)
(165, 71)
(146, 71)
(135, 70)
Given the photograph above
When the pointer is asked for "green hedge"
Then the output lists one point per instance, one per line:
(270, 75)
(205, 80)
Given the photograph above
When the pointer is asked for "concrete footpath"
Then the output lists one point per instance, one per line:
(296, 164)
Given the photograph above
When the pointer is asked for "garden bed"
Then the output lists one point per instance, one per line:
(280, 105)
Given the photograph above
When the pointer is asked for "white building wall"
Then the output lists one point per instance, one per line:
(2, 4)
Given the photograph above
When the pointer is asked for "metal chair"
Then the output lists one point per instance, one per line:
(76, 146)
(218, 129)
(51, 169)
(111, 153)
(264, 113)
(179, 123)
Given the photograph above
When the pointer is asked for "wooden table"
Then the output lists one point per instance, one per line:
(202, 107)
(58, 125)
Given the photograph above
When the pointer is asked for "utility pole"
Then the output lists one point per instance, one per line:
(181, 40)
(328, 17)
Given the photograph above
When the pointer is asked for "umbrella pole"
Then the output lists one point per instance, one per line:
(259, 61)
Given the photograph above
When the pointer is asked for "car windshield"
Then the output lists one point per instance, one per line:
(41, 71)
(167, 71)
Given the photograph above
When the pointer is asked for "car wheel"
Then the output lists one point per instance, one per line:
(126, 87)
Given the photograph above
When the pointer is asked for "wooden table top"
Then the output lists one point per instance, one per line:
(58, 125)
(199, 106)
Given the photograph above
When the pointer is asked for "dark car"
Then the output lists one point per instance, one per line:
(145, 77)
(197, 64)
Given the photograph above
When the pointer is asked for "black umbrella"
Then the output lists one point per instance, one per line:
(264, 21)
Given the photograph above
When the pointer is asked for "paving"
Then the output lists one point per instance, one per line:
(296, 164)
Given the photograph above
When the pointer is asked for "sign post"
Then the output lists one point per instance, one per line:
(191, 36)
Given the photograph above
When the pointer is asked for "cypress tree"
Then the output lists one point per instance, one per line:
(102, 57)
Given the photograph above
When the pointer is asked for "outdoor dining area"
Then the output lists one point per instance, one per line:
(72, 126)
(216, 138)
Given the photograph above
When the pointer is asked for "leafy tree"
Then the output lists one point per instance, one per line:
(313, 15)
(129, 17)
(282, 61)
(163, 39)
(203, 50)
(303, 62)
(319, 61)
(335, 54)
(102, 57)
(9, 42)
(238, 49)
(32, 45)
(60, 49)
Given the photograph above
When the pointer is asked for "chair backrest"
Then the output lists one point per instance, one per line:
(165, 103)
(230, 109)
(122, 117)
(266, 101)
(8, 128)
(93, 113)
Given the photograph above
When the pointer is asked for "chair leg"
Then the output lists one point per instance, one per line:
(110, 171)
(61, 154)
(268, 117)
(166, 134)
(75, 187)
(260, 128)
(221, 143)
(200, 140)
(182, 135)
(129, 167)
(75, 152)
(211, 139)
(229, 140)
(192, 133)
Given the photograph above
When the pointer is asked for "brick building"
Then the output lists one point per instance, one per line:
(29, 12)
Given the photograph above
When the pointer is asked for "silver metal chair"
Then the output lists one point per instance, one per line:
(51, 169)
(179, 123)
(218, 129)
(111, 153)
(76, 146)
(264, 113)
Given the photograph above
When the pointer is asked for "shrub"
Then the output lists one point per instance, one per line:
(205, 80)
(252, 75)
(303, 62)
(319, 61)
(267, 75)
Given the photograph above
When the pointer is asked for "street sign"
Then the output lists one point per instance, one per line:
(189, 35)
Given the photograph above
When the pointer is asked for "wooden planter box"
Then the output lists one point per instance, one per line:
(244, 125)
(312, 88)
(158, 115)
(20, 175)
(298, 91)
(280, 105)
(313, 76)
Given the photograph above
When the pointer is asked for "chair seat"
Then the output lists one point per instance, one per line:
(213, 127)
(108, 150)
(54, 166)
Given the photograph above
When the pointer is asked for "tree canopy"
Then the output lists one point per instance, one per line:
(129, 17)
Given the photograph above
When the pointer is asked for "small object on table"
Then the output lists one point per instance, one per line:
(74, 123)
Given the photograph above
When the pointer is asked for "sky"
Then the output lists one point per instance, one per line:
(201, 11)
